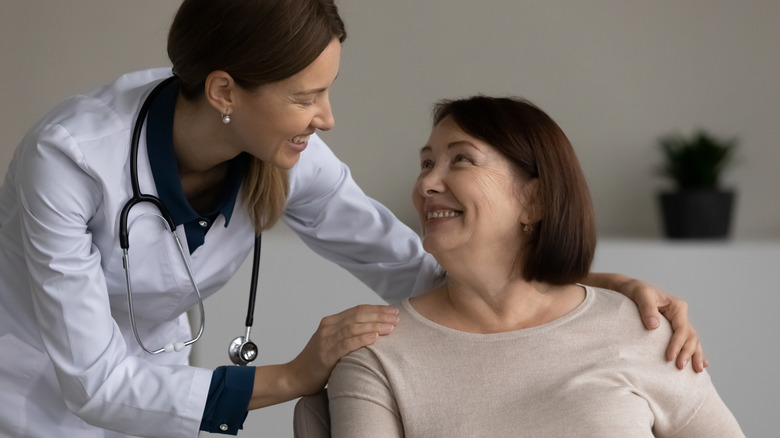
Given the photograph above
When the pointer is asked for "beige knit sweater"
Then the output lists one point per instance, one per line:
(595, 372)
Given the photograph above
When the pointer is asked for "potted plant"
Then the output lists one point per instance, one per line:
(697, 207)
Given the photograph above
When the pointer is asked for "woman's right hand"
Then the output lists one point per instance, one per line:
(336, 336)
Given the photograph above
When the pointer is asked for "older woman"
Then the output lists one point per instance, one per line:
(512, 344)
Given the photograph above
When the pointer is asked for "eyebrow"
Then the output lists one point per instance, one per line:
(316, 90)
(451, 145)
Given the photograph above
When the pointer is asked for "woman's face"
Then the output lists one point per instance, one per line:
(274, 122)
(467, 195)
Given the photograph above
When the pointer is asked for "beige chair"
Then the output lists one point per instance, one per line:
(311, 418)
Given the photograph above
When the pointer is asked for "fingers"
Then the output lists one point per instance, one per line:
(356, 327)
(648, 301)
(685, 346)
(364, 313)
(684, 355)
(351, 329)
(699, 361)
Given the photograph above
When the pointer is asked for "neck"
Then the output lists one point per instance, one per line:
(489, 298)
(200, 140)
(201, 145)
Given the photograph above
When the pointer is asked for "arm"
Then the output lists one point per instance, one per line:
(100, 383)
(713, 419)
(683, 404)
(362, 403)
(652, 302)
(338, 221)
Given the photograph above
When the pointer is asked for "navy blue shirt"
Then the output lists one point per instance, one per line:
(165, 169)
(231, 386)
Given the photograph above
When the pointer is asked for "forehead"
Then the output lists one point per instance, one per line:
(447, 134)
(317, 76)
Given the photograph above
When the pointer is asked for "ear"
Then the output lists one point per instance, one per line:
(219, 90)
(533, 210)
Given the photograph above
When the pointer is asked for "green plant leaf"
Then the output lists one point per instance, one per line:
(696, 162)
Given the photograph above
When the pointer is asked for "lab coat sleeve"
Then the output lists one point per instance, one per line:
(100, 383)
(333, 216)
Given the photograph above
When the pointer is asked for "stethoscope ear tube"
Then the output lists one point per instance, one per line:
(124, 231)
(124, 239)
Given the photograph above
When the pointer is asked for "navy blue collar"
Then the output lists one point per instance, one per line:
(162, 159)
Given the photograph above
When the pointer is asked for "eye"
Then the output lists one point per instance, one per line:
(426, 164)
(461, 158)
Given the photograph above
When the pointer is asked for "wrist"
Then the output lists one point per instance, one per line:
(273, 384)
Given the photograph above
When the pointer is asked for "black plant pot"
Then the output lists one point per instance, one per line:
(697, 214)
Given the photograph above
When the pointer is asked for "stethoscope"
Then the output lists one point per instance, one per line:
(242, 350)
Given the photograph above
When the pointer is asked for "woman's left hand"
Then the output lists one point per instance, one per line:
(652, 302)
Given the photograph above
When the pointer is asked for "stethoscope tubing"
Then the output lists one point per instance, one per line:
(124, 239)
(138, 197)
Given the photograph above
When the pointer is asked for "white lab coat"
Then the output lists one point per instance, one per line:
(69, 364)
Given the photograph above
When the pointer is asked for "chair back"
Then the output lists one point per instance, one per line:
(311, 418)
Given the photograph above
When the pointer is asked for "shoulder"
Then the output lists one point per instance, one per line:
(402, 341)
(97, 114)
(616, 318)
(84, 124)
(107, 109)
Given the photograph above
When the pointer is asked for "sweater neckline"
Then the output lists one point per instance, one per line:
(530, 331)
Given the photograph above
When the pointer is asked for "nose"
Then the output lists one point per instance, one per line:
(430, 183)
(324, 120)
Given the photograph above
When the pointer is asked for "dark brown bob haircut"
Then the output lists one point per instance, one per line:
(256, 42)
(560, 248)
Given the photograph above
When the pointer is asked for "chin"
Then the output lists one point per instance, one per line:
(287, 162)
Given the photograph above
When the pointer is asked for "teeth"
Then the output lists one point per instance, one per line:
(300, 139)
(440, 214)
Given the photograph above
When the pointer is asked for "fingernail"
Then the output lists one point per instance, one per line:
(653, 322)
(685, 363)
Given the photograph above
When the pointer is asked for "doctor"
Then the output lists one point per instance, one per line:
(228, 147)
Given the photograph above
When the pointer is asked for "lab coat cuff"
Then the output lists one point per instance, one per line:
(228, 400)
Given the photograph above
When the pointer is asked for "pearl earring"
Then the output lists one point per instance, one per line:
(226, 118)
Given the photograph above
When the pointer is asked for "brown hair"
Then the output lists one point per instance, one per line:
(560, 248)
(256, 42)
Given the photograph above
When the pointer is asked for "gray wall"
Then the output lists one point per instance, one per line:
(615, 75)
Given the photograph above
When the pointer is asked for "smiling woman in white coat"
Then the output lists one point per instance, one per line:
(228, 147)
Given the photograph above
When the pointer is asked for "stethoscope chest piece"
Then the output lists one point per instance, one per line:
(242, 351)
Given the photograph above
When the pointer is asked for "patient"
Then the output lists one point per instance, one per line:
(512, 345)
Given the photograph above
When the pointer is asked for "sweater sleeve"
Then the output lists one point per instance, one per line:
(683, 403)
(712, 419)
(362, 403)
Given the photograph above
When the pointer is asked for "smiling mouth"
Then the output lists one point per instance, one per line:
(300, 139)
(442, 214)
